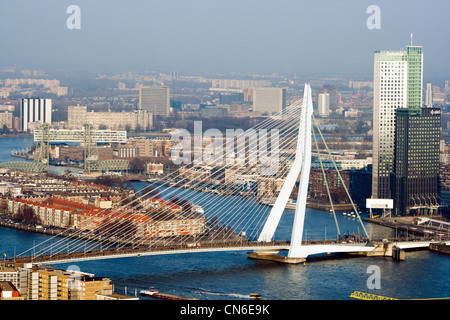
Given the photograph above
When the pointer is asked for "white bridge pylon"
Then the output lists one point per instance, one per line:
(301, 166)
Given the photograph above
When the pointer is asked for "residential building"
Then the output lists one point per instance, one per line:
(11, 189)
(155, 99)
(45, 283)
(6, 119)
(77, 116)
(35, 110)
(324, 104)
(269, 100)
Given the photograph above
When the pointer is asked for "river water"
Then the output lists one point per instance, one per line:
(231, 275)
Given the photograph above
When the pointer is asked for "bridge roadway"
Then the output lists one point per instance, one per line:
(310, 247)
(154, 250)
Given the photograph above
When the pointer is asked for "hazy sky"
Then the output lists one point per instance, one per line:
(315, 36)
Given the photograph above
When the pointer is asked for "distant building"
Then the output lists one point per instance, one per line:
(6, 119)
(155, 99)
(35, 110)
(324, 104)
(269, 100)
(213, 112)
(429, 96)
(415, 188)
(139, 147)
(77, 116)
(231, 98)
(238, 84)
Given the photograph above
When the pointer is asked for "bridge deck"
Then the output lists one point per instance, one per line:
(175, 249)
(307, 248)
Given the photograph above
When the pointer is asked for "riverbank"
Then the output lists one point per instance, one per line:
(408, 224)
(16, 135)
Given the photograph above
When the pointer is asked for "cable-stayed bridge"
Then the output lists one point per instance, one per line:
(180, 218)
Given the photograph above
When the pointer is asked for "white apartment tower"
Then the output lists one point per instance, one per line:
(324, 104)
(35, 110)
(397, 84)
(429, 96)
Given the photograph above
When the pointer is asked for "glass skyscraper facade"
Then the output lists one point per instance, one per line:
(415, 178)
(406, 135)
(397, 84)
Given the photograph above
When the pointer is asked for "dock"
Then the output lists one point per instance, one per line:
(440, 247)
(160, 295)
(407, 224)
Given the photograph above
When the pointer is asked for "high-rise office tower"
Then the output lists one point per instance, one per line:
(324, 104)
(35, 110)
(269, 100)
(429, 96)
(397, 84)
(155, 99)
(415, 177)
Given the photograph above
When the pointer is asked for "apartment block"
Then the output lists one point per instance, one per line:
(77, 116)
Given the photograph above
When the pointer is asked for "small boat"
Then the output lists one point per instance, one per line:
(156, 294)
(344, 213)
(255, 296)
(148, 292)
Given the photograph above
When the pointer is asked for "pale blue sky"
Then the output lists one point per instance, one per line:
(263, 36)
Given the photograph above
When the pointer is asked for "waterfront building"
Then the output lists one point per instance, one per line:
(161, 219)
(397, 84)
(45, 283)
(6, 119)
(269, 100)
(269, 187)
(35, 110)
(357, 182)
(144, 147)
(154, 168)
(155, 99)
(9, 292)
(9, 274)
(415, 183)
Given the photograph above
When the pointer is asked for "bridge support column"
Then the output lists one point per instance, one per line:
(296, 251)
(274, 257)
(301, 166)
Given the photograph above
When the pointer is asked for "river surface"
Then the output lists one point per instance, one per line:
(231, 275)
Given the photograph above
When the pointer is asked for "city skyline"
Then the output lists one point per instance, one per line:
(201, 36)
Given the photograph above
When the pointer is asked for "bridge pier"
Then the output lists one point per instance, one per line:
(274, 257)
(387, 249)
